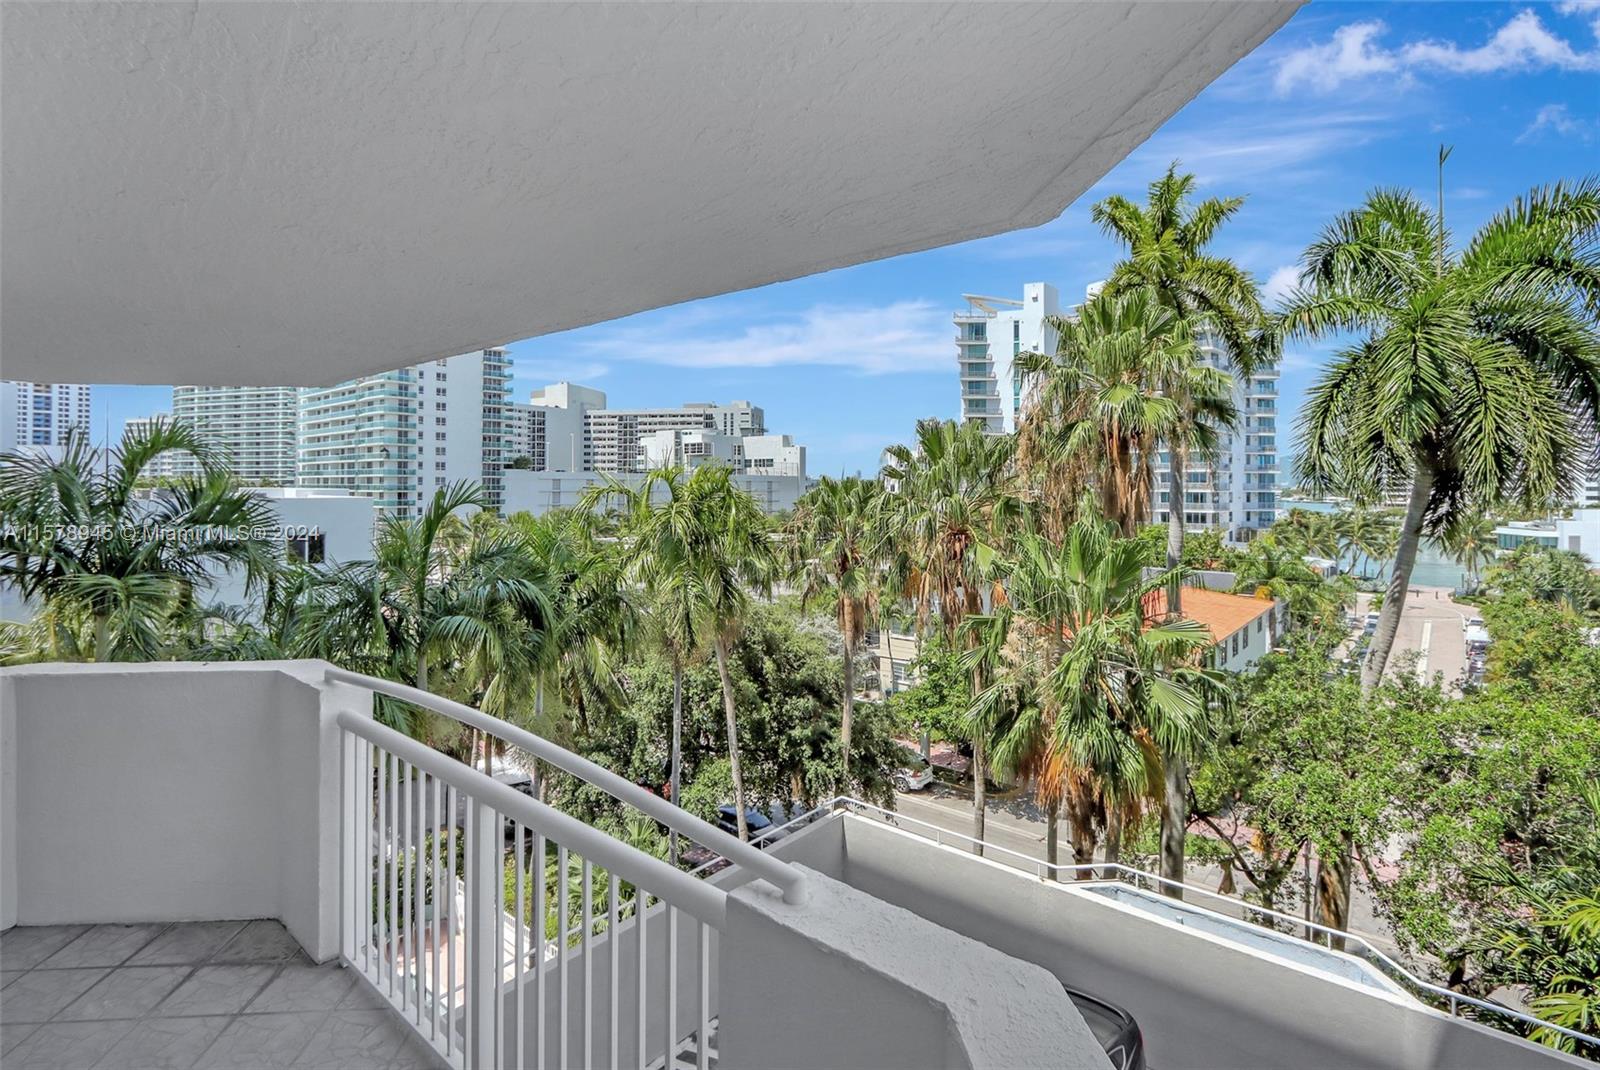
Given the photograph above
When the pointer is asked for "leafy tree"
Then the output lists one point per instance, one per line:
(1546, 574)
(1269, 568)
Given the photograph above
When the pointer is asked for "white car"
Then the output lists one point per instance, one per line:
(914, 773)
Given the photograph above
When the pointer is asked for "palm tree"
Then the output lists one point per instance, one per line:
(834, 547)
(1166, 241)
(79, 536)
(1271, 569)
(1316, 533)
(697, 545)
(1096, 417)
(1476, 377)
(1129, 687)
(1364, 535)
(1473, 543)
(1474, 380)
(951, 494)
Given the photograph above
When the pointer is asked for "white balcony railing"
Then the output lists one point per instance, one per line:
(503, 966)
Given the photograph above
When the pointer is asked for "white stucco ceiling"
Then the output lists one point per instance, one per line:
(266, 192)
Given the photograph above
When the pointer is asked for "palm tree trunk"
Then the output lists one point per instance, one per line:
(1081, 828)
(721, 647)
(1113, 835)
(102, 636)
(849, 709)
(1333, 887)
(422, 671)
(1394, 598)
(1052, 836)
(1175, 801)
(677, 748)
(538, 719)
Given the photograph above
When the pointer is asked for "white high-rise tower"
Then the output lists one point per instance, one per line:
(990, 333)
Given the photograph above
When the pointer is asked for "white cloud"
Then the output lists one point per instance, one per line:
(1259, 151)
(1280, 283)
(907, 336)
(543, 370)
(1355, 52)
(1556, 119)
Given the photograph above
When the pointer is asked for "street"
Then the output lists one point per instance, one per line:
(1434, 627)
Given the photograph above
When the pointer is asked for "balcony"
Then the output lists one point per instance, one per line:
(235, 865)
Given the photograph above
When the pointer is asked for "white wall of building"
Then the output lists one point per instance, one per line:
(564, 405)
(990, 334)
(172, 791)
(345, 522)
(462, 425)
(252, 426)
(542, 492)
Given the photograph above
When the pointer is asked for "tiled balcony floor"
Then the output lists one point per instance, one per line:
(210, 994)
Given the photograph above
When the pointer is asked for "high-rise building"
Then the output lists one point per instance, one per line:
(253, 427)
(990, 333)
(1237, 490)
(37, 416)
(399, 436)
(164, 465)
(462, 423)
(361, 436)
(553, 425)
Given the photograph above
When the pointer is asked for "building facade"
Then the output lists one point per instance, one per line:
(990, 334)
(361, 436)
(37, 416)
(1235, 491)
(614, 439)
(252, 426)
(463, 423)
(542, 492)
(556, 426)
(164, 465)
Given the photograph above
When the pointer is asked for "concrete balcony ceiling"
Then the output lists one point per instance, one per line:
(264, 193)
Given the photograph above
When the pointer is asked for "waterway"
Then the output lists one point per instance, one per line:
(1434, 568)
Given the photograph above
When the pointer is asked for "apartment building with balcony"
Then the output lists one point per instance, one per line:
(463, 423)
(37, 416)
(613, 439)
(991, 332)
(1236, 489)
(253, 427)
(362, 436)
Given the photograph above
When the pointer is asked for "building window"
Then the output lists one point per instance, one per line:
(308, 550)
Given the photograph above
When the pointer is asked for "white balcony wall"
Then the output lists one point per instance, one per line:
(1200, 1000)
(172, 792)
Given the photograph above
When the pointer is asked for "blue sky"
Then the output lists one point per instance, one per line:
(1344, 98)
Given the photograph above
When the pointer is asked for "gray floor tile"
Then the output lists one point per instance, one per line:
(261, 941)
(164, 1044)
(216, 990)
(24, 947)
(190, 942)
(37, 996)
(356, 1040)
(129, 992)
(261, 1041)
(303, 988)
(362, 996)
(103, 945)
(67, 1045)
(12, 1035)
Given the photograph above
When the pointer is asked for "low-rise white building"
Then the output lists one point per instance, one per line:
(314, 526)
(1578, 532)
(542, 492)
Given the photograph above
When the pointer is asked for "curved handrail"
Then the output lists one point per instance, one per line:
(1452, 999)
(704, 901)
(786, 877)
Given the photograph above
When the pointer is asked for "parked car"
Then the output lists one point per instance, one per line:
(1371, 626)
(1113, 1027)
(913, 773)
(759, 821)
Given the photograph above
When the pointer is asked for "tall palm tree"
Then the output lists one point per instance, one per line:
(1129, 687)
(697, 545)
(952, 492)
(79, 534)
(833, 549)
(1474, 379)
(1364, 535)
(1167, 242)
(1095, 417)
(1270, 568)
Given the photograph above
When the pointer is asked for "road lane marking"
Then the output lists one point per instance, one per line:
(1427, 641)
